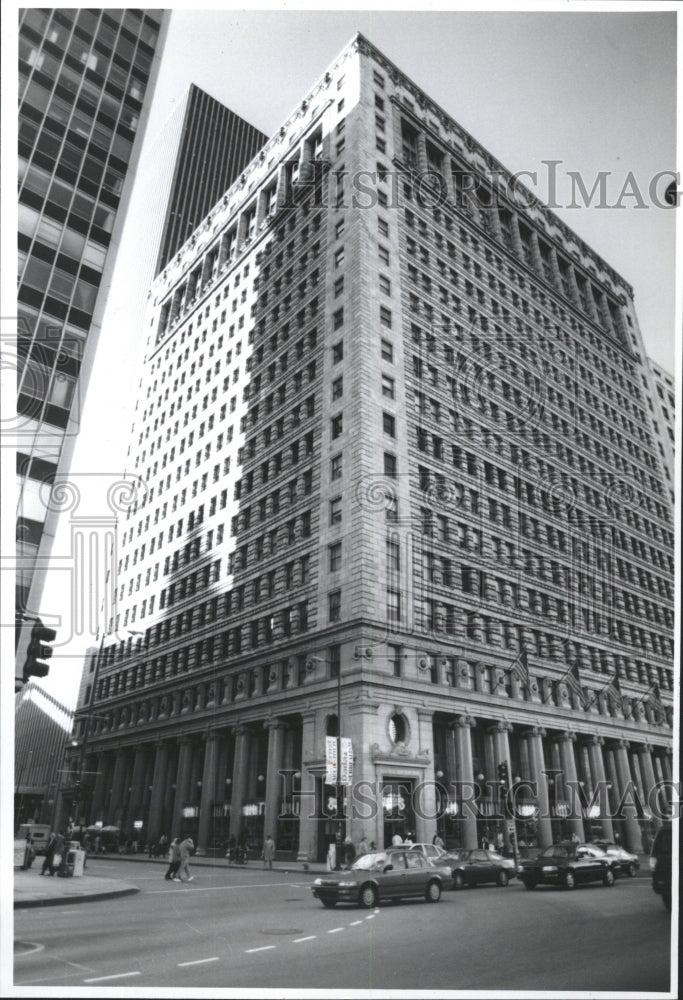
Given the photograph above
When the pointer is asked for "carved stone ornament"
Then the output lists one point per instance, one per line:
(163, 707)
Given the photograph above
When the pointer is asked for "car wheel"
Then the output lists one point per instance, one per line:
(368, 896)
(458, 880)
(433, 893)
(569, 880)
(503, 879)
(329, 904)
(608, 877)
(632, 870)
(528, 883)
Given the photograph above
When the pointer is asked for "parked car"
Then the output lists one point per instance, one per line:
(660, 864)
(476, 866)
(429, 851)
(569, 864)
(383, 875)
(630, 863)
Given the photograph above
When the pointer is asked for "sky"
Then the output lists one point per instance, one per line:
(594, 91)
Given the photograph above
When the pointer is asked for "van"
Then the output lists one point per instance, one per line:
(660, 863)
(38, 832)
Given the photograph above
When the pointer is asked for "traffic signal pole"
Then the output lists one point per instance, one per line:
(506, 786)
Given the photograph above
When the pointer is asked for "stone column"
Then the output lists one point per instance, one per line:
(501, 745)
(534, 738)
(597, 765)
(307, 823)
(632, 827)
(462, 731)
(426, 823)
(276, 731)
(101, 787)
(568, 763)
(239, 778)
(647, 773)
(182, 784)
(208, 790)
(159, 778)
(117, 785)
(137, 789)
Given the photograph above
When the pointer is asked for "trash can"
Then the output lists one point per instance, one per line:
(68, 864)
(79, 862)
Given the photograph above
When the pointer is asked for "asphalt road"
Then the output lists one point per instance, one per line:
(243, 928)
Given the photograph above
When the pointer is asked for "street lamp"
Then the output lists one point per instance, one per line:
(339, 835)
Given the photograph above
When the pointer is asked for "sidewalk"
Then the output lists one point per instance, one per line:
(33, 889)
(254, 865)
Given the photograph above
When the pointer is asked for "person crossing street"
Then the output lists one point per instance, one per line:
(186, 849)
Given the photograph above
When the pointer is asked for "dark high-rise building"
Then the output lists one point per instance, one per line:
(41, 725)
(205, 145)
(396, 449)
(86, 79)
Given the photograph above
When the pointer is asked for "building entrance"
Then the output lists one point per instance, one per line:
(397, 809)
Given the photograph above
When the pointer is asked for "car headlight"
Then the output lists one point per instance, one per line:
(549, 868)
(318, 881)
(653, 863)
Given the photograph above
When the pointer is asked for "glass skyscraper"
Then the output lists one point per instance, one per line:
(85, 84)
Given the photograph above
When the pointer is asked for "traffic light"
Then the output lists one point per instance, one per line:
(37, 651)
(503, 773)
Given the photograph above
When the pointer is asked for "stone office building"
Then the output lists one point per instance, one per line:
(392, 439)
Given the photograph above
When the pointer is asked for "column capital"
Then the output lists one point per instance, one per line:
(462, 722)
(240, 730)
(502, 726)
(567, 736)
(593, 740)
(618, 745)
(424, 714)
(274, 723)
(534, 731)
(211, 734)
(645, 748)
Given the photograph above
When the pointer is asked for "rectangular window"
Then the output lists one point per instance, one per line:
(389, 424)
(334, 605)
(336, 510)
(338, 388)
(383, 226)
(336, 467)
(385, 316)
(384, 284)
(335, 557)
(388, 387)
(393, 556)
(337, 425)
(393, 605)
(387, 351)
(384, 255)
(337, 352)
(390, 465)
(395, 659)
(334, 658)
(339, 257)
(338, 287)
(338, 319)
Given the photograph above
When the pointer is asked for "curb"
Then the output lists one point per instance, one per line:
(25, 904)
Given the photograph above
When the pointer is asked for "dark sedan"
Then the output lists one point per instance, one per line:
(382, 875)
(630, 863)
(569, 864)
(477, 867)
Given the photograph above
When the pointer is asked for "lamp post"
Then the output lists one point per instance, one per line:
(339, 834)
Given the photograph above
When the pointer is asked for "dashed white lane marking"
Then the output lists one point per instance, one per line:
(335, 930)
(371, 916)
(119, 975)
(198, 961)
(354, 923)
(265, 947)
(311, 937)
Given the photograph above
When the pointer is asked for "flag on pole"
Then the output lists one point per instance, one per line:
(520, 667)
(613, 689)
(572, 678)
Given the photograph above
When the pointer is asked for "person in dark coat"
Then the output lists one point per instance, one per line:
(55, 849)
(349, 852)
(174, 860)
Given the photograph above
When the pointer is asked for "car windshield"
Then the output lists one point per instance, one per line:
(458, 855)
(556, 851)
(370, 862)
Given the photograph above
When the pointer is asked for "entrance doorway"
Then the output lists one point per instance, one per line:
(397, 809)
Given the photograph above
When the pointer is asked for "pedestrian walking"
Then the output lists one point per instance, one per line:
(186, 849)
(396, 840)
(51, 850)
(162, 846)
(437, 841)
(268, 852)
(409, 840)
(174, 860)
(349, 852)
(363, 846)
